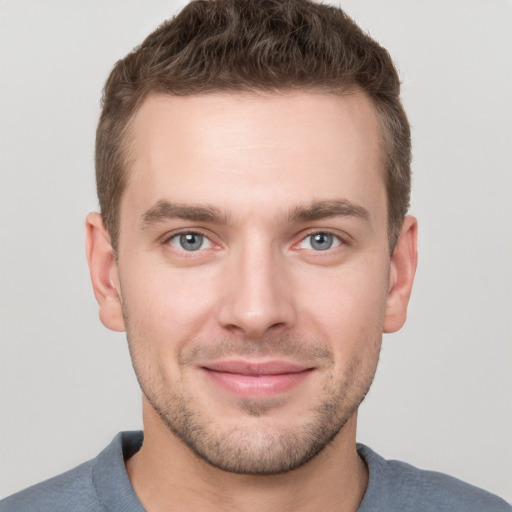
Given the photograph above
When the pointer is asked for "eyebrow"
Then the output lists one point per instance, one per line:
(318, 210)
(164, 210)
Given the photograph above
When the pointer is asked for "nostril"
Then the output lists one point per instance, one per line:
(277, 325)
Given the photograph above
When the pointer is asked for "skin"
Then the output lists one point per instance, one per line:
(257, 176)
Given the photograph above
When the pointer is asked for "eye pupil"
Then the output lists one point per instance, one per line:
(191, 241)
(321, 241)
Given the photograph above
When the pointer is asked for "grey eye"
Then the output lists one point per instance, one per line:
(190, 241)
(321, 241)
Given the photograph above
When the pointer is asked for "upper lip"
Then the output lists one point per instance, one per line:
(255, 367)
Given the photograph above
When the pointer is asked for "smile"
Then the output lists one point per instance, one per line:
(256, 380)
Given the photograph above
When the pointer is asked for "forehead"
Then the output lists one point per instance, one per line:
(238, 148)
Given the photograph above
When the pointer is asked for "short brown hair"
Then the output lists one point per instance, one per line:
(253, 45)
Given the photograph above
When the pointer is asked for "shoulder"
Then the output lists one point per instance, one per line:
(71, 489)
(397, 486)
(98, 485)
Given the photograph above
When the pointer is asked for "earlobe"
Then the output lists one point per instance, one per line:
(104, 274)
(403, 268)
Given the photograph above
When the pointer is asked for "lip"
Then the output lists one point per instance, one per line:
(256, 379)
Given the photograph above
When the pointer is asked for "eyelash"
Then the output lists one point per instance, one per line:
(176, 236)
(336, 239)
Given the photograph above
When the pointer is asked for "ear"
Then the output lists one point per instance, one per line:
(104, 273)
(401, 276)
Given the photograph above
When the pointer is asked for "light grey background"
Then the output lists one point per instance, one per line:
(442, 396)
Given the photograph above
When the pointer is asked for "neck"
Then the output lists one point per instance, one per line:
(167, 475)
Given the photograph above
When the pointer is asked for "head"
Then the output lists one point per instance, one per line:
(239, 46)
(253, 175)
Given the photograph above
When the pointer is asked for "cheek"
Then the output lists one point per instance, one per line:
(166, 304)
(348, 304)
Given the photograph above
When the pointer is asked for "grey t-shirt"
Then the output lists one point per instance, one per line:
(102, 484)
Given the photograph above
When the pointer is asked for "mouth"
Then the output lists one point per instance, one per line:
(256, 379)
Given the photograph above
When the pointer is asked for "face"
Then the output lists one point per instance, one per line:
(253, 271)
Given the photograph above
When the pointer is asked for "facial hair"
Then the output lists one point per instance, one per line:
(255, 447)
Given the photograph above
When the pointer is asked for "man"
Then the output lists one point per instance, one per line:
(253, 176)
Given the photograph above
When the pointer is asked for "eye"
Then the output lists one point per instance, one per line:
(320, 241)
(190, 241)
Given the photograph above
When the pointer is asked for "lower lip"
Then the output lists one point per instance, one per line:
(256, 386)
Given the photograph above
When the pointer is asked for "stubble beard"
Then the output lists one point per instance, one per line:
(246, 449)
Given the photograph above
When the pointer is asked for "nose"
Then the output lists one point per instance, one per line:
(257, 296)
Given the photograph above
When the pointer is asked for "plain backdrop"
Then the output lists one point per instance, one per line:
(442, 395)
